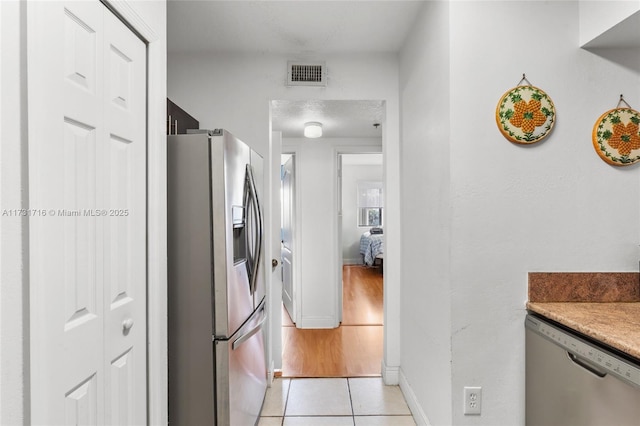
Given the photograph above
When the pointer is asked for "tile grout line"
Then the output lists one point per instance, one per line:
(353, 416)
(286, 402)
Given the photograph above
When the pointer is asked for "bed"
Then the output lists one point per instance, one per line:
(372, 248)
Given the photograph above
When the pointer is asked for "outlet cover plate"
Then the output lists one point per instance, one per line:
(472, 400)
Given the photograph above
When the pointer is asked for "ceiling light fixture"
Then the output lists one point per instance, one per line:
(312, 129)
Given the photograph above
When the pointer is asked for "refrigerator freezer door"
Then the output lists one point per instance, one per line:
(232, 290)
(207, 220)
(242, 380)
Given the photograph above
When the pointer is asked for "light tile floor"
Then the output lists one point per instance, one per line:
(337, 402)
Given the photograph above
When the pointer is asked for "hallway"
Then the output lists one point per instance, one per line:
(352, 350)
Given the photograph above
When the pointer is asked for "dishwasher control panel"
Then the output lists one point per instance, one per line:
(598, 357)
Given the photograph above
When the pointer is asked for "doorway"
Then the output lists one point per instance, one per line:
(317, 287)
(360, 215)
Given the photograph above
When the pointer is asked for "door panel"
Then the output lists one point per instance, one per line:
(288, 221)
(287, 282)
(80, 167)
(81, 403)
(123, 375)
(118, 176)
(79, 233)
(122, 192)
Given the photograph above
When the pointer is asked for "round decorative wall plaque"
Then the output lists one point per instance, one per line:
(525, 114)
(616, 136)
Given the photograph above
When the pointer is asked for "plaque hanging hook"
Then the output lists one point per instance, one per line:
(524, 78)
(622, 101)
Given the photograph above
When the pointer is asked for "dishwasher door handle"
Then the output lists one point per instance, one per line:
(586, 366)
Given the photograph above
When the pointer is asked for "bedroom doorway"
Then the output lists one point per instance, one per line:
(360, 237)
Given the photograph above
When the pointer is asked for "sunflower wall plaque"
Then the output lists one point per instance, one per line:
(616, 136)
(525, 114)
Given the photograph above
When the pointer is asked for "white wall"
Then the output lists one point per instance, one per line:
(351, 232)
(519, 209)
(273, 234)
(234, 90)
(426, 215)
(553, 206)
(596, 17)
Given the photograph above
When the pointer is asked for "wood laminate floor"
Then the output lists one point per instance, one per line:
(352, 350)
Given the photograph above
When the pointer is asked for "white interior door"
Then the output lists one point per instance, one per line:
(288, 224)
(87, 191)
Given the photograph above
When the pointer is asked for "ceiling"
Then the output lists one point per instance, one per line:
(320, 26)
(340, 119)
(298, 28)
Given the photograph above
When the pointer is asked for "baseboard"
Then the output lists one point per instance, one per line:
(271, 373)
(390, 374)
(418, 414)
(357, 261)
(317, 322)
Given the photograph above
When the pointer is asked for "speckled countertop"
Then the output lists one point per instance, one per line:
(603, 306)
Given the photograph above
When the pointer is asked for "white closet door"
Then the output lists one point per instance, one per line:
(87, 193)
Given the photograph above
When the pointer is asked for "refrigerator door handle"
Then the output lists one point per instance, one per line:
(248, 204)
(246, 336)
(257, 251)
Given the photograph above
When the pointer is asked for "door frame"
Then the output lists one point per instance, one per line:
(392, 159)
(157, 349)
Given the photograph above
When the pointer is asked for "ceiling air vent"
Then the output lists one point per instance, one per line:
(306, 74)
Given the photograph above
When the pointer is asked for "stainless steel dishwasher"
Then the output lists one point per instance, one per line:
(571, 380)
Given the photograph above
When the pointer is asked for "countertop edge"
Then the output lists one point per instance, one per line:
(575, 315)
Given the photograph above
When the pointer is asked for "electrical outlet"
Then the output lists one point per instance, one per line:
(472, 400)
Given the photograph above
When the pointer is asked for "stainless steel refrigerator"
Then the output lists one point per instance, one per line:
(216, 294)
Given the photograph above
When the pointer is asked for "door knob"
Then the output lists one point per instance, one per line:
(126, 326)
(274, 263)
